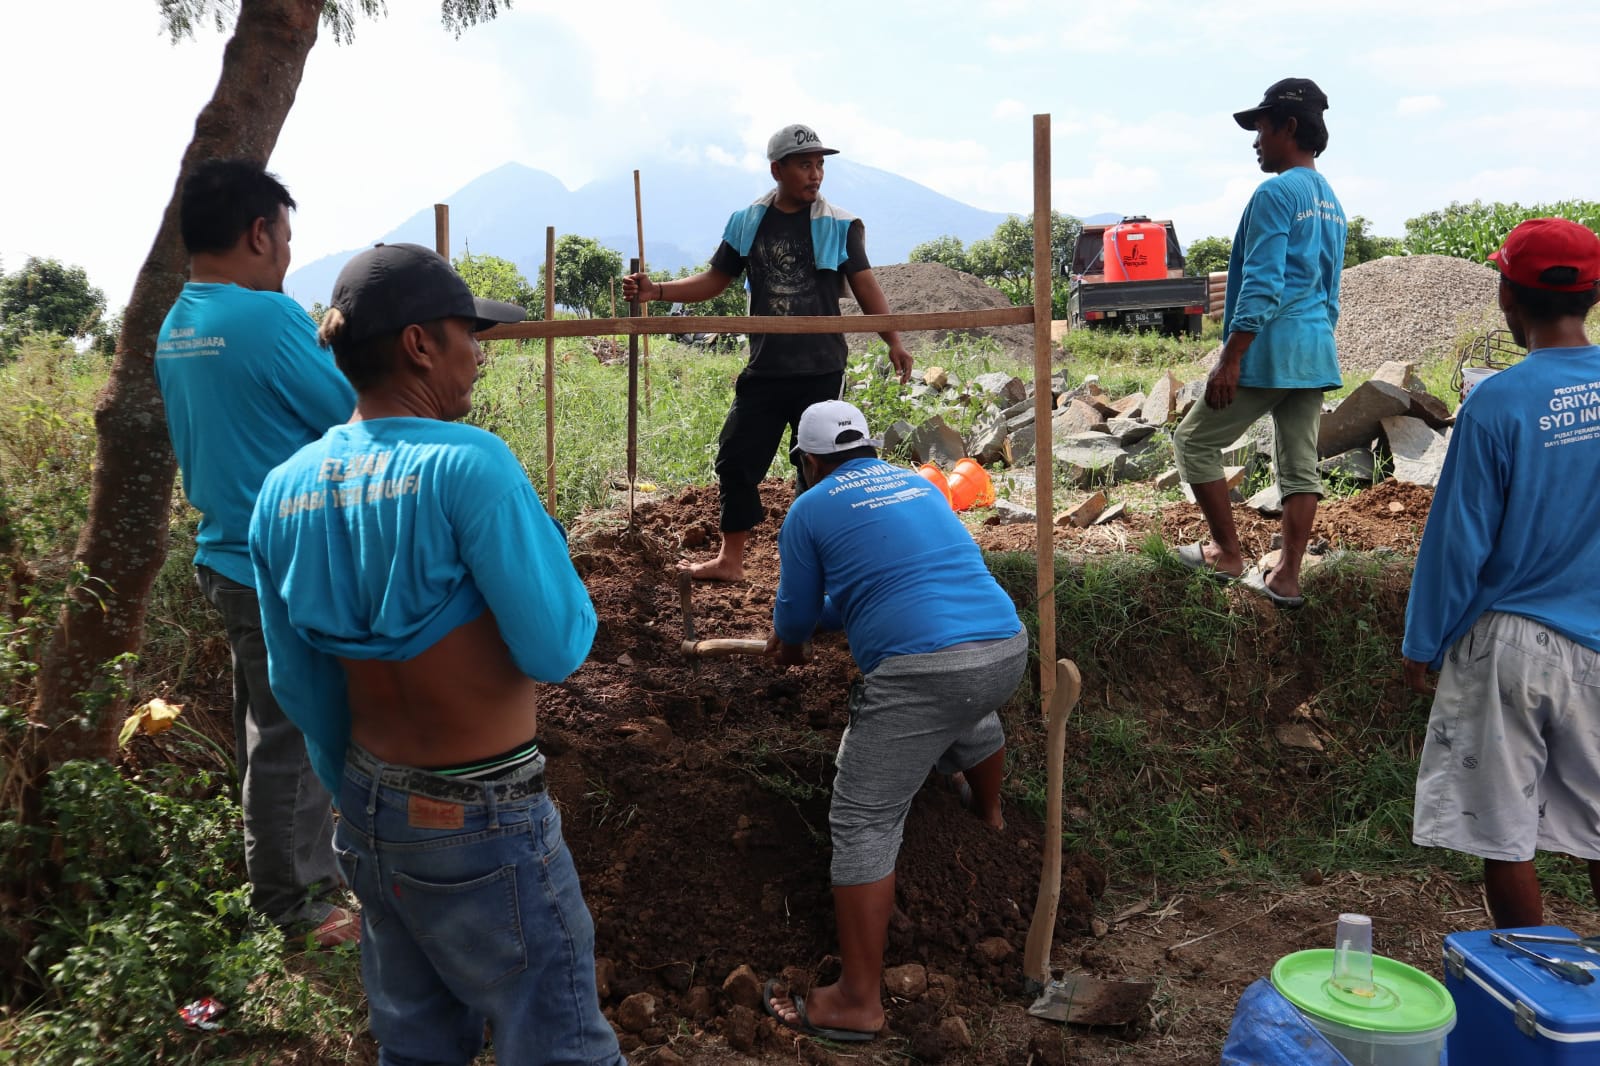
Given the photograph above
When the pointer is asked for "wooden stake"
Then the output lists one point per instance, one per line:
(633, 400)
(550, 371)
(1043, 407)
(441, 230)
(638, 215)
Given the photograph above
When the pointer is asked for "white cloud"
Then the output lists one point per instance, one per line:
(1414, 106)
(1011, 45)
(1010, 109)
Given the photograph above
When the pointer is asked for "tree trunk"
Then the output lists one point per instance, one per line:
(124, 542)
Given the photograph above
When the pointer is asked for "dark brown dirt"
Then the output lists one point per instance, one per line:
(695, 799)
(695, 803)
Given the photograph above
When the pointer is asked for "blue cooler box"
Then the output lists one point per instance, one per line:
(1510, 1010)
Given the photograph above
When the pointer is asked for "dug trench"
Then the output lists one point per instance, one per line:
(695, 794)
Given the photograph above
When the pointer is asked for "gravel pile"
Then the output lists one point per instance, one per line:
(916, 288)
(1412, 308)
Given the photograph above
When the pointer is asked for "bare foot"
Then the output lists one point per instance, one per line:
(718, 569)
(826, 1009)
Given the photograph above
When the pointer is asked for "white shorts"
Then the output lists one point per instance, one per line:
(1512, 761)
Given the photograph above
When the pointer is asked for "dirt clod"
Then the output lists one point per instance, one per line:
(637, 1012)
(743, 988)
(907, 982)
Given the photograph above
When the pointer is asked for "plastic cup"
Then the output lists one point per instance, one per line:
(1471, 375)
(1352, 955)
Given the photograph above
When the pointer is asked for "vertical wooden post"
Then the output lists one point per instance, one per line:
(550, 371)
(633, 398)
(638, 214)
(1044, 409)
(441, 230)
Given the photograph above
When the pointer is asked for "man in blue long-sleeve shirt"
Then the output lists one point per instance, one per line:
(1504, 601)
(876, 549)
(1278, 356)
(413, 590)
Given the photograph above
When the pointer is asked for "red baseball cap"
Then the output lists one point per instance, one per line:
(1550, 253)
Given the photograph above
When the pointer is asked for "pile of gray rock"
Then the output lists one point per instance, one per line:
(1390, 425)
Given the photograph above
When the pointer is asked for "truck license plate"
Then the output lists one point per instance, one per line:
(1144, 318)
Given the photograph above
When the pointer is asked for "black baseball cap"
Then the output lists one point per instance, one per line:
(391, 286)
(1302, 93)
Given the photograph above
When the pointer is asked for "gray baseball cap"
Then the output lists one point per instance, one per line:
(391, 286)
(795, 138)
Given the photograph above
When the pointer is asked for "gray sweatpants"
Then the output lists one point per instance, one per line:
(288, 815)
(914, 712)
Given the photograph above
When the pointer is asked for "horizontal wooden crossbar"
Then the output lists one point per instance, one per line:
(665, 324)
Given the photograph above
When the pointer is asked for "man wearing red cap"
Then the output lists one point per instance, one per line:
(1504, 601)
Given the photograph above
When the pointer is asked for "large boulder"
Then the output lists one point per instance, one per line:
(1160, 404)
(1417, 448)
(1005, 387)
(935, 442)
(1355, 423)
(987, 442)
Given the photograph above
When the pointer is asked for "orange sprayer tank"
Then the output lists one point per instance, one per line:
(1135, 250)
(935, 475)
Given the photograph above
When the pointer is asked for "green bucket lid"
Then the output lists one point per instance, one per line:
(1406, 1000)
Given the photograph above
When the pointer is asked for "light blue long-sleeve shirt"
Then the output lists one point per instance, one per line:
(1515, 522)
(382, 537)
(245, 385)
(880, 546)
(1283, 282)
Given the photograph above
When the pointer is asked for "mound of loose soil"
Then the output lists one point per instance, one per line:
(695, 800)
(1411, 307)
(916, 288)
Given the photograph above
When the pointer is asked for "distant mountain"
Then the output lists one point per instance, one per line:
(505, 212)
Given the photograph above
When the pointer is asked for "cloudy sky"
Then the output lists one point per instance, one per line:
(1432, 101)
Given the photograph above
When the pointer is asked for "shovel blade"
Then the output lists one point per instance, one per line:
(1091, 1001)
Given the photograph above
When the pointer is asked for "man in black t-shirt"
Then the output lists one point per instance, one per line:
(799, 251)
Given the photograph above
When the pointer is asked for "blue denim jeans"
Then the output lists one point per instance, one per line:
(471, 913)
(288, 815)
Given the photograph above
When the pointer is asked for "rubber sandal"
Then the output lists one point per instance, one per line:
(803, 1025)
(341, 926)
(1193, 557)
(1256, 581)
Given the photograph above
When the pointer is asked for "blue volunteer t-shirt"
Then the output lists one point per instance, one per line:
(1514, 517)
(245, 385)
(382, 537)
(1283, 282)
(884, 548)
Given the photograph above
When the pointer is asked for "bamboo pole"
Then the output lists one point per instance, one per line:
(638, 215)
(1043, 406)
(441, 230)
(601, 327)
(550, 371)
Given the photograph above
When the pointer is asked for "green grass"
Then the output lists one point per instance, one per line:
(1174, 764)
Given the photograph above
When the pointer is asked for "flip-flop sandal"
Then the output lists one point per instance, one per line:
(1193, 557)
(803, 1025)
(1256, 581)
(341, 926)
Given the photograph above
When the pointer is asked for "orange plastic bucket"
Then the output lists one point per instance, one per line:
(970, 486)
(935, 475)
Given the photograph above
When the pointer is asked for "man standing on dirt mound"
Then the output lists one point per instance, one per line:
(413, 590)
(245, 385)
(876, 549)
(1278, 356)
(799, 250)
(1504, 602)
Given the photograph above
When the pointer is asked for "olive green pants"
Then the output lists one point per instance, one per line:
(1296, 417)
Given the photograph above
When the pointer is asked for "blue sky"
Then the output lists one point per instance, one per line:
(1432, 100)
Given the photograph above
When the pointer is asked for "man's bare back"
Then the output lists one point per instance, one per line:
(462, 699)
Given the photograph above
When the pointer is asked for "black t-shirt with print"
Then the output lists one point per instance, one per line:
(784, 280)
